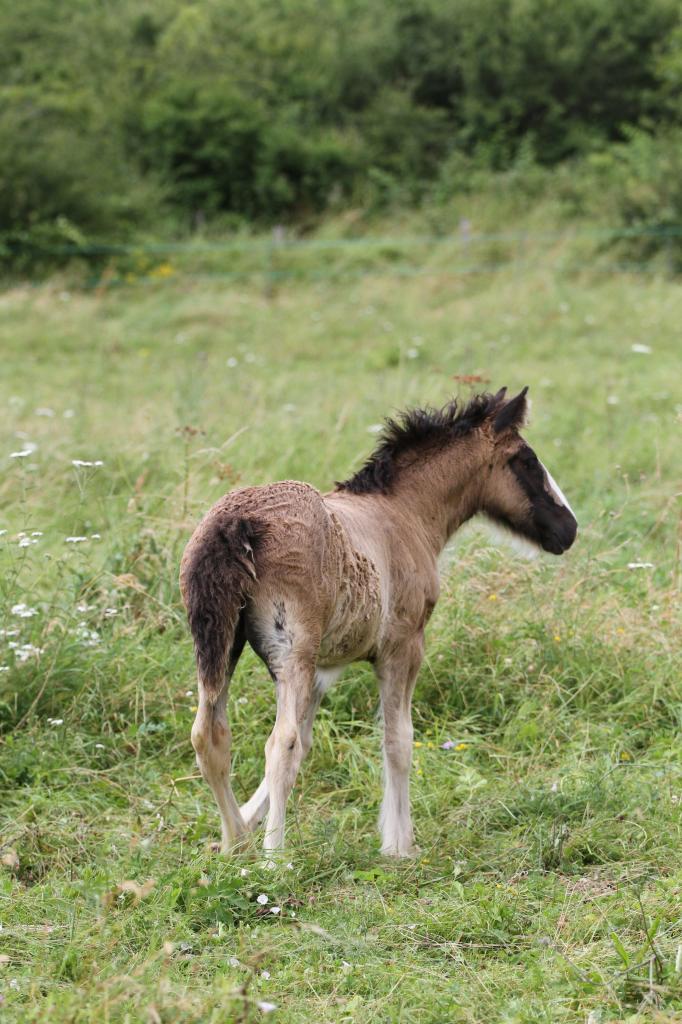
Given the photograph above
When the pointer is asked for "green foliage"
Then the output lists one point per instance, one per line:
(116, 120)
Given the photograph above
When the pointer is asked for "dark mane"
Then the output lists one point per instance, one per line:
(415, 430)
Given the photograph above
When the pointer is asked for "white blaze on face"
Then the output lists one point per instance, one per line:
(556, 490)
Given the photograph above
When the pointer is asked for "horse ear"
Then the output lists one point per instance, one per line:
(513, 413)
(499, 397)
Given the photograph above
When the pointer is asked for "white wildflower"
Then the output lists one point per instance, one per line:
(275, 910)
(100, 746)
(86, 462)
(95, 536)
(26, 651)
(68, 414)
(242, 700)
(244, 872)
(232, 362)
(641, 565)
(262, 899)
(74, 540)
(23, 611)
(4, 668)
(265, 975)
(643, 350)
(44, 411)
(375, 428)
(265, 1007)
(2, 533)
(412, 353)
(14, 631)
(28, 449)
(109, 614)
(55, 721)
(25, 542)
(234, 962)
(612, 400)
(36, 533)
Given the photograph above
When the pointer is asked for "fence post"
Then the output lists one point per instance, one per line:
(276, 241)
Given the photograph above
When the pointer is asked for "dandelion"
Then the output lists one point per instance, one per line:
(262, 899)
(23, 611)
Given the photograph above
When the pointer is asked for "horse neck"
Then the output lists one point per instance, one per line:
(442, 491)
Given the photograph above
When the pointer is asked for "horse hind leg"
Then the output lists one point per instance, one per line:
(255, 809)
(212, 742)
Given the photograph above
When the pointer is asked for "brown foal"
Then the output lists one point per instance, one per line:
(316, 581)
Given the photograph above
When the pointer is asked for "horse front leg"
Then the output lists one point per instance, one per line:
(397, 676)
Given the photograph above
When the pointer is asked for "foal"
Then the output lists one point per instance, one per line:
(315, 581)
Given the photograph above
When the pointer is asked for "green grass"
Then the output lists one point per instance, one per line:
(548, 889)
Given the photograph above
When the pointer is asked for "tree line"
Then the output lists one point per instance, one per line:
(117, 115)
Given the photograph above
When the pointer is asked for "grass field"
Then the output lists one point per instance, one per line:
(549, 888)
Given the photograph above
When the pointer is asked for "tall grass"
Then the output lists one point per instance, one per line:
(548, 884)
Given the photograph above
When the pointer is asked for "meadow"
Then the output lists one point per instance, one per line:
(547, 779)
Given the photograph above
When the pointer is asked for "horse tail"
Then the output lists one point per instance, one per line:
(217, 574)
